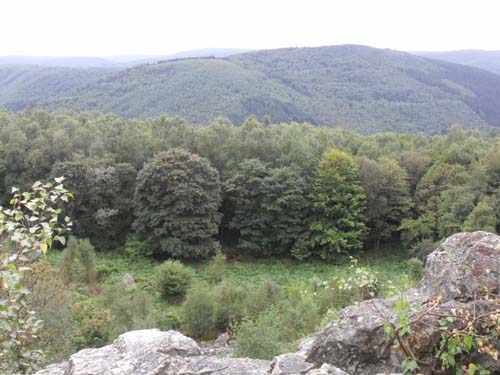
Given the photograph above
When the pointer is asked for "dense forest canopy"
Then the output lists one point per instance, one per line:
(273, 184)
(356, 87)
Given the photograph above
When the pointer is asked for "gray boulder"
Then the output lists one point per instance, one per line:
(56, 369)
(153, 352)
(128, 280)
(290, 364)
(356, 342)
(142, 352)
(327, 369)
(464, 266)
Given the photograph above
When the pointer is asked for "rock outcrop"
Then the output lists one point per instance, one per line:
(465, 265)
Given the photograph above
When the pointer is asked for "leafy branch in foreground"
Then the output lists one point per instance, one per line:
(445, 338)
(27, 230)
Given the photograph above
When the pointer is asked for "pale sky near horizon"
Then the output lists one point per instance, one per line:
(149, 27)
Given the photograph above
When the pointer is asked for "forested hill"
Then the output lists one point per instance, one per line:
(487, 60)
(359, 88)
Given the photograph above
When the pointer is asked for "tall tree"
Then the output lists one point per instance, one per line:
(338, 204)
(388, 196)
(177, 198)
(269, 207)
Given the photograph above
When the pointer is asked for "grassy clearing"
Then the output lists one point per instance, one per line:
(388, 263)
(309, 296)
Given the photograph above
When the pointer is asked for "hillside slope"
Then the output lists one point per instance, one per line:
(487, 60)
(360, 88)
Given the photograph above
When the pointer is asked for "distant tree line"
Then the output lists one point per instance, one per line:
(259, 189)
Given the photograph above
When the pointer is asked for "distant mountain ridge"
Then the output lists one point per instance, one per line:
(487, 60)
(114, 61)
(356, 87)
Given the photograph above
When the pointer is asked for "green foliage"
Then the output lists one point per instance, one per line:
(230, 300)
(388, 196)
(299, 317)
(269, 207)
(130, 309)
(136, 248)
(51, 298)
(93, 322)
(338, 208)
(78, 263)
(177, 200)
(419, 229)
(217, 266)
(275, 329)
(415, 268)
(263, 296)
(27, 230)
(103, 199)
(260, 338)
(482, 217)
(174, 279)
(199, 313)
(448, 175)
(455, 337)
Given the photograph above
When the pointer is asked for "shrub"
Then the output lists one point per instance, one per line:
(167, 320)
(262, 297)
(299, 317)
(217, 266)
(422, 249)
(51, 299)
(199, 312)
(260, 338)
(230, 302)
(130, 309)
(415, 268)
(79, 262)
(27, 230)
(137, 248)
(92, 322)
(365, 281)
(174, 279)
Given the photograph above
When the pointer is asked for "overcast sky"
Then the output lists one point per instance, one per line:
(122, 27)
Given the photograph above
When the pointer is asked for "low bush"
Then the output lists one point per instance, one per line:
(230, 301)
(299, 316)
(137, 248)
(199, 313)
(174, 279)
(130, 309)
(51, 299)
(216, 266)
(79, 262)
(262, 297)
(93, 322)
(260, 338)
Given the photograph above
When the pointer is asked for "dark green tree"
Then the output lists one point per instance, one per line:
(177, 198)
(269, 207)
(388, 196)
